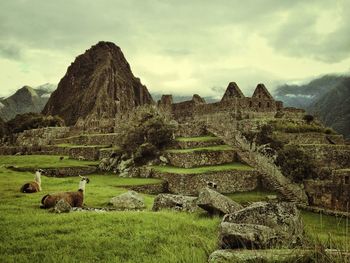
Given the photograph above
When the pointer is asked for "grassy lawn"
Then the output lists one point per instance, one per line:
(198, 139)
(41, 161)
(204, 169)
(331, 231)
(209, 148)
(30, 234)
(248, 197)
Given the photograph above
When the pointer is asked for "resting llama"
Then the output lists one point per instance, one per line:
(33, 187)
(75, 199)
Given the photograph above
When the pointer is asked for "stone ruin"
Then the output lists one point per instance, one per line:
(233, 101)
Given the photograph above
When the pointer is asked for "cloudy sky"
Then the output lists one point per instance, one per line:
(179, 46)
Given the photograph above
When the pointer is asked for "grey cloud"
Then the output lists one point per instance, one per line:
(298, 36)
(10, 51)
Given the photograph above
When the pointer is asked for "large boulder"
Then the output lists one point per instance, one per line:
(281, 222)
(249, 236)
(216, 203)
(175, 202)
(130, 200)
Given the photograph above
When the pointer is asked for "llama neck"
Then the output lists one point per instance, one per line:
(38, 179)
(82, 185)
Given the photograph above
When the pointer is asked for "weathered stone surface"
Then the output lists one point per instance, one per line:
(175, 202)
(197, 144)
(163, 159)
(98, 85)
(232, 91)
(214, 202)
(130, 200)
(267, 255)
(152, 189)
(283, 218)
(246, 236)
(62, 207)
(200, 158)
(226, 181)
(198, 99)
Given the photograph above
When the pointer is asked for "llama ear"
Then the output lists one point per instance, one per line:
(87, 180)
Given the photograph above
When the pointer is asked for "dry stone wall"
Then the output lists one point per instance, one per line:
(226, 181)
(200, 158)
(43, 136)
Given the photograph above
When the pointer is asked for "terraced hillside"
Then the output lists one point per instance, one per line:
(201, 160)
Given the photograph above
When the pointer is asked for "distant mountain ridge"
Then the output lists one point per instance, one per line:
(24, 100)
(327, 97)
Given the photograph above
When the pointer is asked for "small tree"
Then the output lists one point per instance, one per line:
(308, 118)
(145, 132)
(30, 121)
(295, 164)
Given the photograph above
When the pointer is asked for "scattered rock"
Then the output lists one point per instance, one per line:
(216, 203)
(267, 255)
(124, 165)
(62, 207)
(283, 218)
(175, 202)
(130, 200)
(163, 159)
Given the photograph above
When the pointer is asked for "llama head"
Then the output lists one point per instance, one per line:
(84, 178)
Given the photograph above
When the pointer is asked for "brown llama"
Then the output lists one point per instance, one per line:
(75, 199)
(33, 187)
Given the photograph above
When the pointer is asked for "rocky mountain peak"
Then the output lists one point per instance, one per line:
(98, 84)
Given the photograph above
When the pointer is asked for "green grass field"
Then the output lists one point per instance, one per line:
(42, 161)
(30, 234)
(208, 148)
(203, 169)
(248, 197)
(198, 139)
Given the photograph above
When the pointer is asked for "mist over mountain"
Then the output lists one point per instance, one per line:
(326, 97)
(24, 100)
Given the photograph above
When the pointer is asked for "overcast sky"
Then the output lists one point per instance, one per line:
(179, 46)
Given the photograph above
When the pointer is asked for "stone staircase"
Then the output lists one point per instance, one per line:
(270, 173)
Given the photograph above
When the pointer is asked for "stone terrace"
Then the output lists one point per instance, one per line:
(205, 160)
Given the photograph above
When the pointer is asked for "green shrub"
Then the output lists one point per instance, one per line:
(145, 132)
(30, 121)
(308, 118)
(295, 164)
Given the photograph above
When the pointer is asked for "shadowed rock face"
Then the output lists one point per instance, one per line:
(99, 84)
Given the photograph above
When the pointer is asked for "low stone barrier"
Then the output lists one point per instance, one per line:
(60, 172)
(195, 144)
(87, 153)
(152, 189)
(226, 181)
(200, 158)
